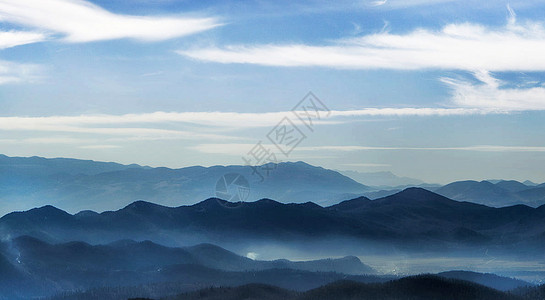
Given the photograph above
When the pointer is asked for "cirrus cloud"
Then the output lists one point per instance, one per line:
(491, 94)
(82, 21)
(14, 38)
(463, 46)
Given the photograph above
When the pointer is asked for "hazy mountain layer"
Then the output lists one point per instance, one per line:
(413, 217)
(76, 185)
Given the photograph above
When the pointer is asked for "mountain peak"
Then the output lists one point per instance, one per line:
(352, 203)
(48, 210)
(141, 205)
(417, 191)
(416, 195)
(214, 203)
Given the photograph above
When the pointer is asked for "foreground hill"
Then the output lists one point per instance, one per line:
(422, 287)
(489, 280)
(131, 255)
(79, 184)
(412, 217)
(30, 267)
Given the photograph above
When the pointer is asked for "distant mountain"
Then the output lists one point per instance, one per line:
(529, 183)
(411, 218)
(483, 192)
(511, 185)
(33, 166)
(77, 185)
(501, 193)
(381, 179)
(80, 266)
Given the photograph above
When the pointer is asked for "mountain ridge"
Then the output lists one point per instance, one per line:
(412, 216)
(75, 184)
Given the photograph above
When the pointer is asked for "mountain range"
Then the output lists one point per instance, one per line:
(383, 179)
(412, 218)
(125, 268)
(38, 268)
(422, 287)
(77, 185)
(498, 194)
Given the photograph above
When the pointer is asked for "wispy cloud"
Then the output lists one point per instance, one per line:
(11, 72)
(367, 165)
(241, 149)
(82, 21)
(378, 2)
(478, 148)
(10, 39)
(99, 147)
(463, 46)
(489, 95)
(106, 123)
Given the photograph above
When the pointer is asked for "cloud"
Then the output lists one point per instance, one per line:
(82, 21)
(491, 95)
(11, 72)
(99, 147)
(367, 165)
(378, 2)
(10, 39)
(242, 148)
(478, 148)
(205, 120)
(110, 127)
(465, 46)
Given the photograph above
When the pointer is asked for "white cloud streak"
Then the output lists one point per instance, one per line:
(492, 97)
(464, 46)
(13, 38)
(82, 21)
(367, 165)
(238, 149)
(99, 123)
(477, 148)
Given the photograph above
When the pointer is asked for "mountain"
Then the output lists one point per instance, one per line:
(501, 193)
(417, 287)
(411, 218)
(381, 179)
(413, 287)
(483, 192)
(77, 185)
(529, 183)
(33, 166)
(512, 185)
(490, 280)
(131, 255)
(81, 266)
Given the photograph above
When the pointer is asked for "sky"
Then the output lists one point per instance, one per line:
(437, 90)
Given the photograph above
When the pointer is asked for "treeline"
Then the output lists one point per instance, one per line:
(422, 287)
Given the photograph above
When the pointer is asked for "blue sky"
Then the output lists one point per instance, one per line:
(433, 89)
